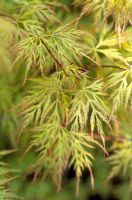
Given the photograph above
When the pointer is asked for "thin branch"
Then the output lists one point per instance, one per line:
(7, 17)
(54, 58)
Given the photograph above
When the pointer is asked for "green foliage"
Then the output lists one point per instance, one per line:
(52, 100)
(119, 9)
(62, 46)
(5, 191)
(51, 138)
(122, 84)
(88, 99)
(76, 95)
(122, 159)
(103, 47)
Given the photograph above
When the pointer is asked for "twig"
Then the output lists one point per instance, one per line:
(49, 51)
